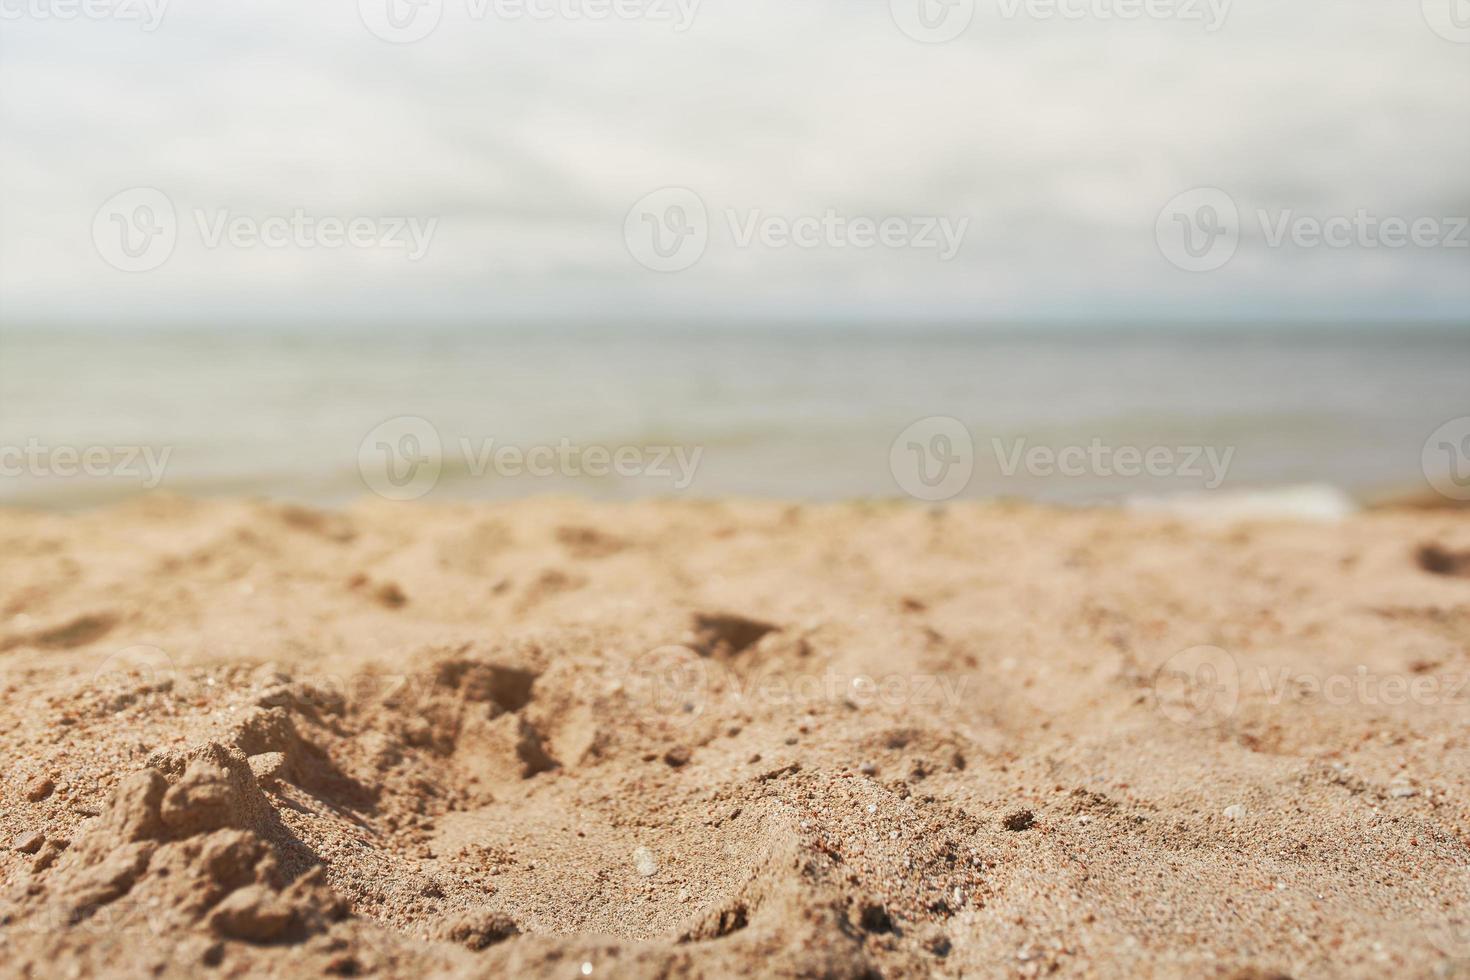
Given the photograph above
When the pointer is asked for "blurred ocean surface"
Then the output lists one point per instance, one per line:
(801, 413)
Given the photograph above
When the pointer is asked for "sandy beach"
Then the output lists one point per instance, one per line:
(561, 739)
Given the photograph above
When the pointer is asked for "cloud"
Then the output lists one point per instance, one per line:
(1060, 139)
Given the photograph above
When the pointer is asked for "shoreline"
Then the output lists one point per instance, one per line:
(1408, 495)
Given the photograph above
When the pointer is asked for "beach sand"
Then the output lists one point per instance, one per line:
(563, 739)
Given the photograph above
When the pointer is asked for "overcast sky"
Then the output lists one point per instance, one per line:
(517, 146)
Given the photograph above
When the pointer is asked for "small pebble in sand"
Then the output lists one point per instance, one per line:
(390, 595)
(1402, 792)
(39, 788)
(645, 862)
(868, 769)
(678, 756)
(872, 808)
(586, 969)
(30, 842)
(1234, 811)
